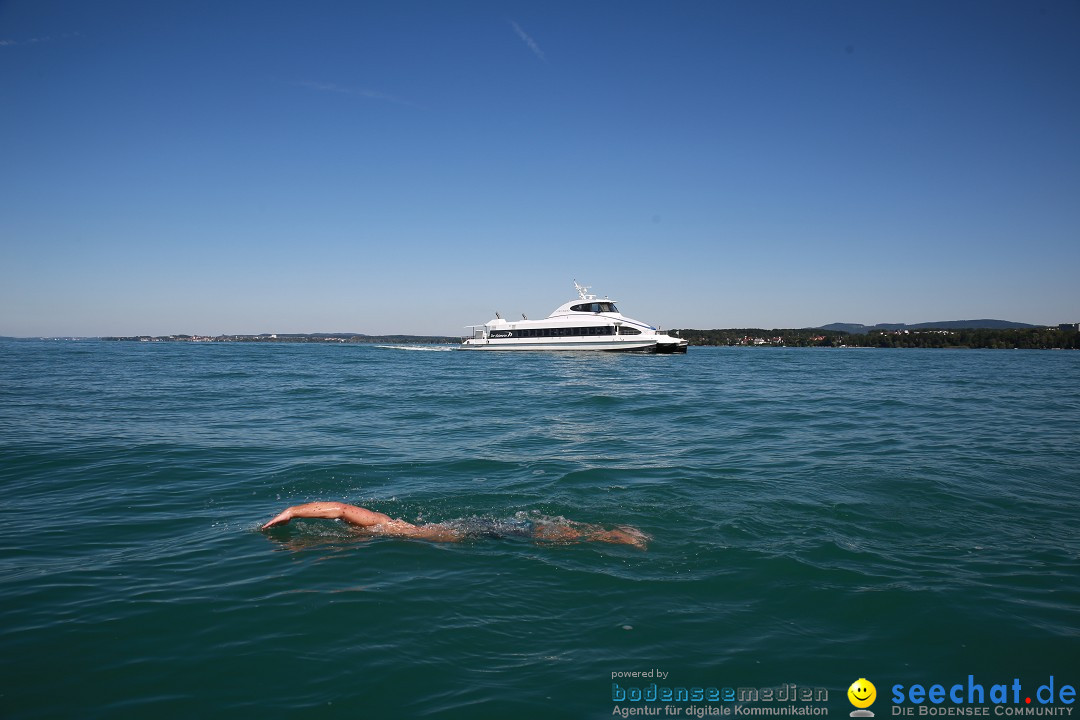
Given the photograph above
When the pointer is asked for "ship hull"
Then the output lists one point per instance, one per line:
(640, 346)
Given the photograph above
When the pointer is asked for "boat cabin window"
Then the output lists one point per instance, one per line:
(596, 307)
(564, 332)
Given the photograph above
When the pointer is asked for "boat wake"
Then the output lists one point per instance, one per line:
(416, 348)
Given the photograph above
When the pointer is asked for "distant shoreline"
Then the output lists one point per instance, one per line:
(1039, 338)
(294, 338)
(1065, 337)
(990, 339)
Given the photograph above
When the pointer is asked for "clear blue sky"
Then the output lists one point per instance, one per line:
(244, 167)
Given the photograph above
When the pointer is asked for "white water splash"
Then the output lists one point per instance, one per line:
(416, 348)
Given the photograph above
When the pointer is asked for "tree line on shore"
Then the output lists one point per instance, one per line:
(1001, 339)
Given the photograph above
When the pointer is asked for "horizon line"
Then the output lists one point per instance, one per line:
(926, 325)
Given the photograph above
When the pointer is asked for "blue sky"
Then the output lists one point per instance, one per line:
(246, 167)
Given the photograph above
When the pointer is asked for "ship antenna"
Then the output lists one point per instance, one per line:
(582, 291)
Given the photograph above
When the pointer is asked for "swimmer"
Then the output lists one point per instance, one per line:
(377, 523)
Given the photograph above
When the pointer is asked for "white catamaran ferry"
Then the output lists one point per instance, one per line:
(583, 324)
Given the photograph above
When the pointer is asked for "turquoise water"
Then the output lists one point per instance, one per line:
(817, 516)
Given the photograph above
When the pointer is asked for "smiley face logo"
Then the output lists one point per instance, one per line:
(862, 694)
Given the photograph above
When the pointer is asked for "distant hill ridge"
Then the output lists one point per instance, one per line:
(857, 329)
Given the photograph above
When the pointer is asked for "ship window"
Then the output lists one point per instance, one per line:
(596, 307)
(587, 331)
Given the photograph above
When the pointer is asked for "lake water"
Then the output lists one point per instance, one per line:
(817, 516)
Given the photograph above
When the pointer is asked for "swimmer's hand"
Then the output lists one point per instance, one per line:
(282, 518)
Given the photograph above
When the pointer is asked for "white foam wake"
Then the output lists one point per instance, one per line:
(417, 348)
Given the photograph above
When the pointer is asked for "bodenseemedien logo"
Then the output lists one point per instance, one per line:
(862, 694)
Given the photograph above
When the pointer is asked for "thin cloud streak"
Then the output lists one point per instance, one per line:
(358, 92)
(35, 40)
(525, 38)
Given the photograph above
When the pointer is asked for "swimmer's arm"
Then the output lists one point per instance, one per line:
(333, 511)
(378, 523)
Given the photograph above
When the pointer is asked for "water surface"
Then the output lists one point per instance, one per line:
(817, 516)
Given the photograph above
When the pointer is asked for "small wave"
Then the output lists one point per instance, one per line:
(418, 348)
